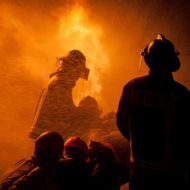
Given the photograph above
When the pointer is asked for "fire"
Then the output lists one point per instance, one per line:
(76, 32)
(40, 46)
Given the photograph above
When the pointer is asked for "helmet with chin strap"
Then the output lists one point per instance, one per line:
(160, 54)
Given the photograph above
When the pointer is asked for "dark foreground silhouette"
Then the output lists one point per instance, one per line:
(56, 111)
(153, 115)
(38, 171)
(96, 167)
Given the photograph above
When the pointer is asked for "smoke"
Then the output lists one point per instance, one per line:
(128, 26)
(76, 32)
(27, 38)
(33, 35)
(111, 33)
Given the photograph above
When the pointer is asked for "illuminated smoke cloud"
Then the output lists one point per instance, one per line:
(76, 32)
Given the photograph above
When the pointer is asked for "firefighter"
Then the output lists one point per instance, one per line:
(87, 120)
(73, 172)
(153, 114)
(76, 148)
(55, 108)
(104, 165)
(38, 171)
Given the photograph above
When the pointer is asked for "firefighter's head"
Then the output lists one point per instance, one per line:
(74, 64)
(48, 148)
(101, 151)
(76, 148)
(160, 55)
(89, 107)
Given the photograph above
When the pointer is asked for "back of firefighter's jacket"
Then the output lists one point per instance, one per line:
(155, 123)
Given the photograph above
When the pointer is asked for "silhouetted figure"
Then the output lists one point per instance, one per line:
(154, 114)
(76, 148)
(88, 107)
(90, 126)
(73, 172)
(38, 172)
(121, 147)
(55, 108)
(87, 120)
(105, 173)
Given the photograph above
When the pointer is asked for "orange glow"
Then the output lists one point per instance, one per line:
(110, 33)
(28, 51)
(76, 32)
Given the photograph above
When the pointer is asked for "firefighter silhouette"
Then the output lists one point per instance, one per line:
(153, 114)
(56, 108)
(87, 119)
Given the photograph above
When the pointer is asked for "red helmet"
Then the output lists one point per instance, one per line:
(78, 143)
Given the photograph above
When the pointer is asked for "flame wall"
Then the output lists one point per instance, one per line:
(111, 33)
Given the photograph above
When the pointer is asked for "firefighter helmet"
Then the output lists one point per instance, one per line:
(78, 143)
(50, 141)
(76, 59)
(160, 54)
